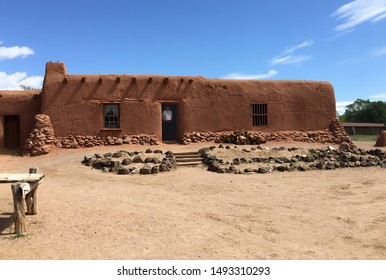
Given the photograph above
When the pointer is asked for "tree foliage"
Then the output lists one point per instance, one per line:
(24, 87)
(365, 111)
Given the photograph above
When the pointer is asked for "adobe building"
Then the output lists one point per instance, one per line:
(17, 111)
(100, 106)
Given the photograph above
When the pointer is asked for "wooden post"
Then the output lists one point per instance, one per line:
(31, 199)
(19, 211)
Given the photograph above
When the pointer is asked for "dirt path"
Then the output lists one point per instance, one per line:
(194, 214)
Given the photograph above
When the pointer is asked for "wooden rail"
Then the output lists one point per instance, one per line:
(24, 192)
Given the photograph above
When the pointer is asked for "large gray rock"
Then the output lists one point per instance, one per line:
(123, 171)
(263, 170)
(126, 161)
(145, 170)
(138, 159)
(164, 167)
(214, 166)
(118, 154)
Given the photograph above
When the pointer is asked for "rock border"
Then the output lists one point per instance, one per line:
(346, 156)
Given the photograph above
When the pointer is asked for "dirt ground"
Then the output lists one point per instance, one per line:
(190, 213)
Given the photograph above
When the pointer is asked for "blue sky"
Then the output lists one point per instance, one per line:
(343, 42)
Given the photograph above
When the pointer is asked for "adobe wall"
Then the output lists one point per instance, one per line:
(75, 103)
(25, 104)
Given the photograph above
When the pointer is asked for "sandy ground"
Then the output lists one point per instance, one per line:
(194, 214)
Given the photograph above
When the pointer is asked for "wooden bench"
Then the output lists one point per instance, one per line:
(24, 189)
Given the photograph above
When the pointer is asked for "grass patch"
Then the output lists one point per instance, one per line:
(17, 236)
(368, 138)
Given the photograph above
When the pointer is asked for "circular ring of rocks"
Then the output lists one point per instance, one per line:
(346, 156)
(132, 162)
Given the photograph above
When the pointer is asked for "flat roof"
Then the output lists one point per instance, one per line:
(363, 124)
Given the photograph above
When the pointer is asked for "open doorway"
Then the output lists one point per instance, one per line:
(11, 132)
(169, 122)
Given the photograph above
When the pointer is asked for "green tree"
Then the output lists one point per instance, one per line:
(365, 111)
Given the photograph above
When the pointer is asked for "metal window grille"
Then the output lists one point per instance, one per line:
(111, 115)
(260, 114)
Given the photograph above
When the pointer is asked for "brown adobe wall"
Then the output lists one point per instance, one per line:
(381, 140)
(75, 103)
(25, 104)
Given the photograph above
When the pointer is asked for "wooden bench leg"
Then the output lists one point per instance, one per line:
(19, 211)
(31, 199)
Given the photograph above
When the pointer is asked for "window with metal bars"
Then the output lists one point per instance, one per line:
(111, 115)
(260, 114)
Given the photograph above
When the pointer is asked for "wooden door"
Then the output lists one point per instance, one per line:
(169, 122)
(11, 132)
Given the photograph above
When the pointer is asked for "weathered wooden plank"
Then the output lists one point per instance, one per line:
(25, 177)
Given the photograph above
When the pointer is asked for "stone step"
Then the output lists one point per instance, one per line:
(186, 153)
(198, 160)
(188, 163)
(188, 156)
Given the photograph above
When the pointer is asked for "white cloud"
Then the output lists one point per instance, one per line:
(379, 52)
(359, 11)
(301, 45)
(287, 57)
(239, 76)
(13, 52)
(341, 106)
(16, 80)
(379, 96)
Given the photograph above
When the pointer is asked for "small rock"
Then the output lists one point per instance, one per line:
(155, 170)
(281, 168)
(232, 168)
(214, 166)
(117, 155)
(344, 146)
(309, 159)
(302, 168)
(134, 170)
(248, 170)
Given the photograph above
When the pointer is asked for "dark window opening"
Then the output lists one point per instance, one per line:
(111, 115)
(260, 114)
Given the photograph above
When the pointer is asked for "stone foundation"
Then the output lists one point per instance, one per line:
(73, 142)
(335, 134)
